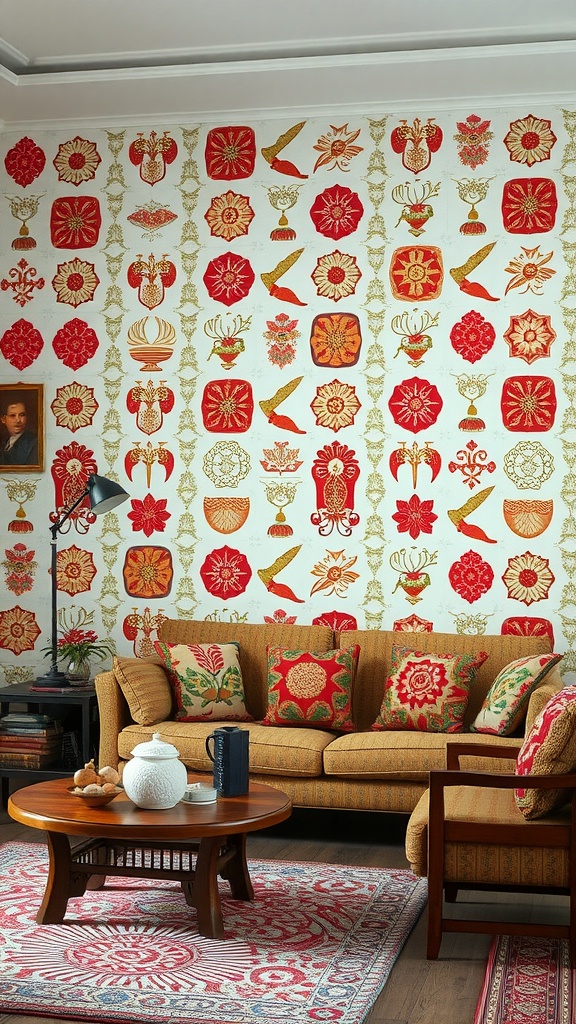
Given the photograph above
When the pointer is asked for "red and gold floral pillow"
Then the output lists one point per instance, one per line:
(206, 681)
(311, 689)
(427, 692)
(549, 749)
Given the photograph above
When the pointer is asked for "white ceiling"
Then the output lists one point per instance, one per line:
(119, 61)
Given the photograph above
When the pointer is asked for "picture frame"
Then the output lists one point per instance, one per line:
(26, 425)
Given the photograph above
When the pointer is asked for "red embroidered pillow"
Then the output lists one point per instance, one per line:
(427, 692)
(311, 689)
(549, 749)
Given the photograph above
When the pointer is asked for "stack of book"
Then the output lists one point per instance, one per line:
(29, 741)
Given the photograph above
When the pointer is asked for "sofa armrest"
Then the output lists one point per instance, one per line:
(113, 714)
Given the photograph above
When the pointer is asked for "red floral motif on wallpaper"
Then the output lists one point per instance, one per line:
(336, 212)
(472, 337)
(75, 222)
(227, 406)
(149, 403)
(148, 571)
(473, 140)
(338, 622)
(152, 154)
(530, 336)
(416, 272)
(230, 152)
(530, 140)
(77, 161)
(414, 516)
(72, 466)
(413, 624)
(415, 404)
(25, 161)
(21, 344)
(470, 576)
(151, 277)
(75, 570)
(228, 278)
(149, 515)
(416, 142)
(528, 404)
(528, 625)
(75, 343)
(528, 578)
(335, 339)
(529, 205)
(335, 471)
(19, 630)
(225, 573)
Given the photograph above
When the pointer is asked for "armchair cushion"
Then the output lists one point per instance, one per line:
(427, 692)
(549, 749)
(507, 699)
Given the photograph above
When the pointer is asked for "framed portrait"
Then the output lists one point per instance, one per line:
(21, 428)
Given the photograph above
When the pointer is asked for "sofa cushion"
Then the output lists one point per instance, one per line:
(279, 752)
(206, 681)
(427, 692)
(505, 704)
(403, 755)
(146, 689)
(549, 749)
(312, 689)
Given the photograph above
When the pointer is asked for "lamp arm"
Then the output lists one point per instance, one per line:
(55, 528)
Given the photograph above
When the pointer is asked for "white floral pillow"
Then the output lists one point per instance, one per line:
(505, 703)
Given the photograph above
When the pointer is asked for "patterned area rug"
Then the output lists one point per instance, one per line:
(316, 945)
(528, 981)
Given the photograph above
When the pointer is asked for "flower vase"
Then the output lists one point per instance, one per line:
(78, 672)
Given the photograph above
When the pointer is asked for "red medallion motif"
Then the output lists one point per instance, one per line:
(19, 630)
(75, 343)
(225, 573)
(416, 273)
(151, 277)
(75, 222)
(530, 336)
(471, 576)
(72, 466)
(413, 624)
(529, 205)
(77, 161)
(228, 278)
(338, 622)
(227, 406)
(528, 625)
(336, 212)
(416, 142)
(530, 140)
(230, 152)
(414, 516)
(21, 344)
(528, 404)
(415, 404)
(472, 337)
(148, 571)
(25, 161)
(149, 515)
(149, 404)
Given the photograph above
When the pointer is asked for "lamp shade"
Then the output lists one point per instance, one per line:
(104, 494)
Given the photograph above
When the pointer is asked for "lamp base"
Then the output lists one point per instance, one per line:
(53, 679)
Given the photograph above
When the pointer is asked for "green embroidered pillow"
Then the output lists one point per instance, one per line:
(206, 681)
(505, 703)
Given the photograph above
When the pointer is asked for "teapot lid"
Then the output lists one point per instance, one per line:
(156, 747)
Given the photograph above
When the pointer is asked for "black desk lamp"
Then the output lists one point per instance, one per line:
(104, 495)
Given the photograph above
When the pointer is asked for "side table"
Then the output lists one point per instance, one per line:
(84, 700)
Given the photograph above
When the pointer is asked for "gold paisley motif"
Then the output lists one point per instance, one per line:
(226, 515)
(528, 518)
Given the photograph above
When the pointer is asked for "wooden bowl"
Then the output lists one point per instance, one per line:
(95, 799)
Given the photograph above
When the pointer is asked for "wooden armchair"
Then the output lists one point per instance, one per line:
(466, 832)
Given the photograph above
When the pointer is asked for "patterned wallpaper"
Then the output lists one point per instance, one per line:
(330, 360)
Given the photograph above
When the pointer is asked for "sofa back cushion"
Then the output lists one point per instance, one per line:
(253, 639)
(375, 663)
(146, 689)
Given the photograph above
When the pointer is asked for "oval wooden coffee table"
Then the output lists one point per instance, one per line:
(190, 843)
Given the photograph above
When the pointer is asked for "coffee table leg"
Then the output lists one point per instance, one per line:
(58, 887)
(202, 892)
(236, 870)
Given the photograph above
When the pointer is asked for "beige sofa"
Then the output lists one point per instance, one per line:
(363, 770)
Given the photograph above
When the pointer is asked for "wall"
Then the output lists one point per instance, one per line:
(363, 415)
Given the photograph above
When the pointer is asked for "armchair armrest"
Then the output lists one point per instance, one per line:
(456, 750)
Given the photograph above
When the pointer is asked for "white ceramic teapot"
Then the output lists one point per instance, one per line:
(155, 778)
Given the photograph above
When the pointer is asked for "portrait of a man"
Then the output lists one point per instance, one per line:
(20, 428)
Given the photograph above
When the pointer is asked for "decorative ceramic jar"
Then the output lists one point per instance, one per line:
(155, 778)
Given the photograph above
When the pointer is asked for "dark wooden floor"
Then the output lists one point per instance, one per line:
(418, 991)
